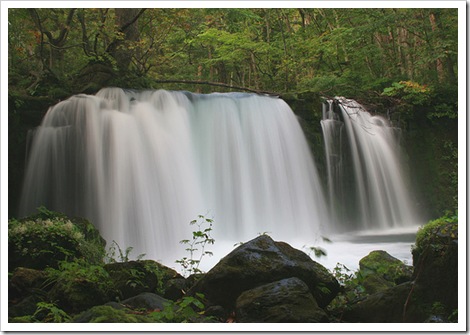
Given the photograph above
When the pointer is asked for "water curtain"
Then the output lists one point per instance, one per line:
(142, 165)
(368, 187)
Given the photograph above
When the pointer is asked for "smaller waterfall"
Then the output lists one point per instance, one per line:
(367, 183)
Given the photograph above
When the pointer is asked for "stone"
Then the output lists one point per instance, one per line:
(76, 295)
(379, 262)
(262, 261)
(135, 277)
(108, 314)
(435, 260)
(24, 281)
(146, 300)
(385, 307)
(286, 300)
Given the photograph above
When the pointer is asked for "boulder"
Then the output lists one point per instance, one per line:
(431, 296)
(286, 300)
(26, 306)
(262, 261)
(135, 277)
(24, 281)
(385, 307)
(147, 301)
(76, 295)
(435, 260)
(381, 263)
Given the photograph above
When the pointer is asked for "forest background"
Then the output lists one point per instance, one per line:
(402, 62)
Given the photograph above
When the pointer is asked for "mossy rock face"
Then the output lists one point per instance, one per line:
(45, 239)
(135, 277)
(374, 283)
(381, 263)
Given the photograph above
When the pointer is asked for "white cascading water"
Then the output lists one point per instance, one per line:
(142, 165)
(366, 181)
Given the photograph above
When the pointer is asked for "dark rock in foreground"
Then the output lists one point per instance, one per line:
(263, 261)
(286, 300)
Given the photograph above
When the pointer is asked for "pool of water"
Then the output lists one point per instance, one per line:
(346, 249)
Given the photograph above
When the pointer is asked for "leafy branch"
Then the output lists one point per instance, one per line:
(196, 246)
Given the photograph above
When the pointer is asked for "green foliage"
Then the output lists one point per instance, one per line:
(288, 49)
(49, 237)
(409, 92)
(353, 289)
(196, 246)
(49, 312)
(187, 309)
(79, 271)
(317, 251)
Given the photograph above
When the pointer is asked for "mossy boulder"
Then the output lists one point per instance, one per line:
(47, 238)
(134, 277)
(435, 259)
(262, 261)
(436, 234)
(77, 286)
(431, 295)
(379, 263)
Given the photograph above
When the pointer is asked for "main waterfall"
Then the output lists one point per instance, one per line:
(368, 186)
(142, 165)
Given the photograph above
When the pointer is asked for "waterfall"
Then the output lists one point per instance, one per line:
(368, 186)
(142, 165)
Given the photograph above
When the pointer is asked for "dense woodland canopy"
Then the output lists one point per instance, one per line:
(400, 60)
(334, 51)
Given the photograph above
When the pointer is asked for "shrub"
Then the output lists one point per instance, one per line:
(48, 237)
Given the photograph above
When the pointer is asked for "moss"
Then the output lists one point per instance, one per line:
(380, 263)
(436, 234)
(108, 314)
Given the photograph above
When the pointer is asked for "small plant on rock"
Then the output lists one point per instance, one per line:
(196, 246)
(115, 254)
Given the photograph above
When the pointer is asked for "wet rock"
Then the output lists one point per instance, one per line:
(262, 261)
(286, 300)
